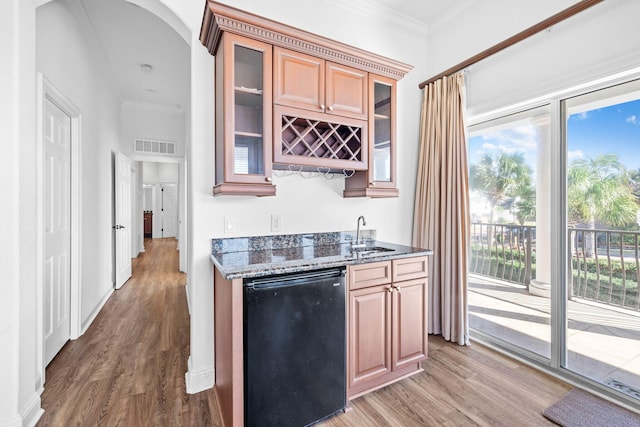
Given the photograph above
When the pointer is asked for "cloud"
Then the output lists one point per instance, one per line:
(519, 139)
(581, 116)
(632, 119)
(576, 154)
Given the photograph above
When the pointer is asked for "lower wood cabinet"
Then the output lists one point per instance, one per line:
(387, 328)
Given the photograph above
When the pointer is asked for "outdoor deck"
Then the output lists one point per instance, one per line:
(603, 342)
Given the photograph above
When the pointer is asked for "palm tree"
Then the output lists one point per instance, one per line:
(499, 177)
(600, 188)
(526, 204)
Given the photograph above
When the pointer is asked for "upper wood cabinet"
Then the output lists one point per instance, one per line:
(243, 117)
(308, 82)
(324, 106)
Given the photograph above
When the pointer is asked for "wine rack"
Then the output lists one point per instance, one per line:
(312, 141)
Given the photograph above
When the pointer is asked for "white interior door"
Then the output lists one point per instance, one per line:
(57, 228)
(122, 226)
(169, 210)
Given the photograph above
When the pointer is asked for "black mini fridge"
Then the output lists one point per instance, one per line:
(294, 348)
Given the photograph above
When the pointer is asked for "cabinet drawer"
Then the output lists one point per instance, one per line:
(409, 268)
(373, 274)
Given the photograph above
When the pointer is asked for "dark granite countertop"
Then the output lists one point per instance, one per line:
(268, 255)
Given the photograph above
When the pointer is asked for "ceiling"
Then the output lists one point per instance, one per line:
(129, 37)
(431, 12)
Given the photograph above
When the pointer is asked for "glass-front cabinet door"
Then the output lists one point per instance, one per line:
(382, 127)
(243, 117)
(380, 178)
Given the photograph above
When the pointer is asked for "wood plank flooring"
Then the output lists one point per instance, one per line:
(128, 370)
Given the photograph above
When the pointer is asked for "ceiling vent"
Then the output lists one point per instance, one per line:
(151, 146)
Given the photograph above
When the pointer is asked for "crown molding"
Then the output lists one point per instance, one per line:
(447, 18)
(398, 21)
(219, 18)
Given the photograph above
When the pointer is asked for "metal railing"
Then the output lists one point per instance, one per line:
(604, 264)
(503, 251)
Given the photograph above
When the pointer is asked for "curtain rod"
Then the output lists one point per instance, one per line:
(542, 25)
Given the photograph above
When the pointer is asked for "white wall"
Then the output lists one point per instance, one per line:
(151, 122)
(20, 373)
(67, 58)
(156, 172)
(598, 42)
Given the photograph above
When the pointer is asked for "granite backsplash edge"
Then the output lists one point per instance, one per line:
(281, 241)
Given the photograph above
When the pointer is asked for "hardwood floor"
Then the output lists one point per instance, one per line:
(128, 370)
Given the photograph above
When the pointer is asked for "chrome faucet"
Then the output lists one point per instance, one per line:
(358, 243)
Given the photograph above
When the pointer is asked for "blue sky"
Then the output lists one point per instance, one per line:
(614, 129)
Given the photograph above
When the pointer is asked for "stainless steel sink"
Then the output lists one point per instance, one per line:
(370, 250)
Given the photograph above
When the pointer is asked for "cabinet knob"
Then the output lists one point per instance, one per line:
(322, 106)
(267, 178)
(389, 289)
(330, 107)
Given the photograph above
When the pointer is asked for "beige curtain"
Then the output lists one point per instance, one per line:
(441, 215)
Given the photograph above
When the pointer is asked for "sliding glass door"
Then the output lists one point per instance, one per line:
(509, 269)
(554, 271)
(603, 216)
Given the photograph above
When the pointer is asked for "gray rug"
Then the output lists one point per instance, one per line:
(579, 408)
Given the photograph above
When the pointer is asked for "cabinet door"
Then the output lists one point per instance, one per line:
(299, 80)
(243, 117)
(369, 335)
(409, 322)
(382, 127)
(380, 178)
(346, 91)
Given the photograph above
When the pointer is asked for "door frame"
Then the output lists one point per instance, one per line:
(46, 90)
(183, 206)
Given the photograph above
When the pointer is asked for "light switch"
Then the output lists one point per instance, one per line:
(229, 224)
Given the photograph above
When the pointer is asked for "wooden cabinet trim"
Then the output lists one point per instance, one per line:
(229, 344)
(219, 18)
(371, 274)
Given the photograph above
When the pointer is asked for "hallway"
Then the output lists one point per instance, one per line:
(128, 368)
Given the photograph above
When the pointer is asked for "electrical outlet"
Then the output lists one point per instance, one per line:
(229, 224)
(276, 222)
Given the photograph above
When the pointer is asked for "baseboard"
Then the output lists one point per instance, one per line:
(32, 412)
(92, 316)
(197, 381)
(187, 288)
